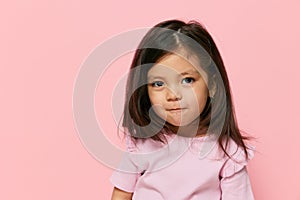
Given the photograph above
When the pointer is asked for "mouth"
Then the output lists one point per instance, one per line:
(176, 110)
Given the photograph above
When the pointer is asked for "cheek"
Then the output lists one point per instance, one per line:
(199, 97)
(202, 98)
(157, 104)
(155, 98)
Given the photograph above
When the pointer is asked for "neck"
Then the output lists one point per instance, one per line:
(190, 130)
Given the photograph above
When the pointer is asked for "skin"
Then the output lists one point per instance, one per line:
(121, 195)
(178, 94)
(177, 91)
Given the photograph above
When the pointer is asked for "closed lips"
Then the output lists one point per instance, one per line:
(175, 109)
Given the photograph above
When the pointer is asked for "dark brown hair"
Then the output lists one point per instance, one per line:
(160, 41)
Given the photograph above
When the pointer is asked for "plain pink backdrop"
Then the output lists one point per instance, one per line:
(44, 42)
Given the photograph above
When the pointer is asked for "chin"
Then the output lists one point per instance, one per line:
(180, 124)
(175, 123)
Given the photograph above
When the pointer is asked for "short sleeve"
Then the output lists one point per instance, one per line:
(130, 145)
(237, 162)
(127, 174)
(123, 180)
(235, 183)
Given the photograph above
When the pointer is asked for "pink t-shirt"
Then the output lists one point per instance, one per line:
(183, 169)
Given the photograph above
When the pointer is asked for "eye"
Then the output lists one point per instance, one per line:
(157, 84)
(188, 80)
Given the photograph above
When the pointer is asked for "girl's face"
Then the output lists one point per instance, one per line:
(177, 91)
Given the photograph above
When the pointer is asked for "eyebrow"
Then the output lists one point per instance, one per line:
(154, 77)
(189, 72)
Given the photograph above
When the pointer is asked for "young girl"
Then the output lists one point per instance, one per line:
(182, 136)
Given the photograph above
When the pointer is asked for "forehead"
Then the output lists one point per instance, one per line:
(175, 64)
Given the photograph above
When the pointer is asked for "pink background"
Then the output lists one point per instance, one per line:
(44, 42)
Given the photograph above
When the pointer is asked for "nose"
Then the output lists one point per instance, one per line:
(173, 94)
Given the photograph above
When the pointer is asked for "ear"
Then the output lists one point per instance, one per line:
(212, 88)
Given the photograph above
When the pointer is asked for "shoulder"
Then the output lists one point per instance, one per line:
(238, 152)
(238, 158)
(145, 145)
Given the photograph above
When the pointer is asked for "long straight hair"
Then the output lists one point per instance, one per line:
(137, 112)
